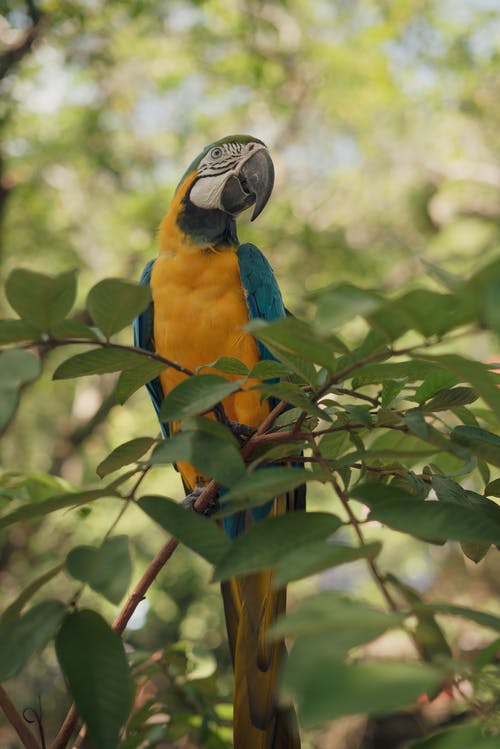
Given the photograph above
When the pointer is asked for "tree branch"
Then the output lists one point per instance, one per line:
(16, 721)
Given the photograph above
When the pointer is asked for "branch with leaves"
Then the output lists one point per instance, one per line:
(389, 424)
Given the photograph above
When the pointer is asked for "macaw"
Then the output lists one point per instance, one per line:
(205, 288)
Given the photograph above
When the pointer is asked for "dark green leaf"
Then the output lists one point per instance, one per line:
(267, 369)
(390, 391)
(106, 568)
(99, 361)
(309, 559)
(334, 444)
(212, 456)
(94, 664)
(263, 545)
(21, 636)
(196, 531)
(196, 395)
(265, 483)
(113, 304)
(15, 331)
(481, 443)
(334, 612)
(473, 372)
(491, 306)
(437, 521)
(413, 370)
(446, 399)
(125, 454)
(135, 377)
(39, 299)
(435, 381)
(73, 329)
(493, 488)
(326, 688)
(483, 618)
(294, 395)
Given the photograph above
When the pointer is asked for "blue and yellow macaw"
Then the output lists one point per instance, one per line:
(205, 288)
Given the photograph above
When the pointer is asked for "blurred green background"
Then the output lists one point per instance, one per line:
(382, 119)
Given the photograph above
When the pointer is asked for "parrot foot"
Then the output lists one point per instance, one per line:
(239, 430)
(189, 501)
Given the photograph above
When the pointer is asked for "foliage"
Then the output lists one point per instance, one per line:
(388, 424)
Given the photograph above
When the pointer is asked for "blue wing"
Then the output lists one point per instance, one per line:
(143, 326)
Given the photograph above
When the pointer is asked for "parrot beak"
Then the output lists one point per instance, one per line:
(252, 185)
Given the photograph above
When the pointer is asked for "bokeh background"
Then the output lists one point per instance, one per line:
(383, 121)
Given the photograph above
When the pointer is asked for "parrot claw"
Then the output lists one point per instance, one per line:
(189, 501)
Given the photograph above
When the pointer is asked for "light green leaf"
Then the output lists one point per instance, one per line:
(263, 545)
(17, 368)
(326, 688)
(106, 568)
(212, 456)
(125, 454)
(21, 636)
(228, 365)
(15, 608)
(267, 369)
(192, 529)
(98, 361)
(484, 618)
(39, 299)
(114, 303)
(95, 667)
(435, 381)
(196, 395)
(293, 336)
(339, 304)
(309, 559)
(466, 736)
(334, 612)
(294, 395)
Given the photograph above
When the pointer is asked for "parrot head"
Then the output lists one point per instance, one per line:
(227, 177)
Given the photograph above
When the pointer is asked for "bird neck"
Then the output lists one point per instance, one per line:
(187, 228)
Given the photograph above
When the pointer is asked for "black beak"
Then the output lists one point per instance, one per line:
(252, 186)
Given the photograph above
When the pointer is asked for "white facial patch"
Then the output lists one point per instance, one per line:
(214, 170)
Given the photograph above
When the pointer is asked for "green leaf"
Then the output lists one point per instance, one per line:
(437, 380)
(195, 395)
(265, 483)
(106, 568)
(473, 372)
(333, 445)
(446, 399)
(294, 395)
(484, 618)
(95, 667)
(15, 608)
(466, 736)
(334, 613)
(135, 377)
(293, 336)
(326, 688)
(480, 442)
(114, 303)
(267, 369)
(15, 331)
(339, 304)
(21, 636)
(437, 521)
(212, 456)
(57, 502)
(128, 452)
(493, 488)
(73, 329)
(192, 529)
(17, 368)
(99, 361)
(309, 559)
(491, 296)
(263, 545)
(39, 299)
(374, 374)
(228, 365)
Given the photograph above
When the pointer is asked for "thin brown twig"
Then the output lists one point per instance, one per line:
(16, 721)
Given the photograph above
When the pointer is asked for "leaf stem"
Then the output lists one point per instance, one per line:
(16, 721)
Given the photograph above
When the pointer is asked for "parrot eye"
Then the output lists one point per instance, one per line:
(216, 153)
